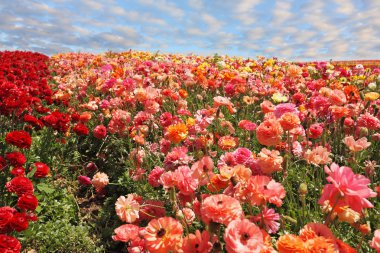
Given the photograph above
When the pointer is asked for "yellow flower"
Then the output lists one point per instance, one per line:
(278, 98)
(190, 122)
(371, 96)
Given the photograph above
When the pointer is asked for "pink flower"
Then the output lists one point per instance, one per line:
(280, 109)
(177, 157)
(247, 125)
(369, 121)
(358, 145)
(268, 218)
(100, 132)
(346, 189)
(83, 180)
(185, 181)
(127, 208)
(154, 176)
(375, 243)
(315, 130)
(126, 233)
(243, 236)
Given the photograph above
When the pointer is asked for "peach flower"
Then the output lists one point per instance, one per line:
(289, 121)
(100, 180)
(269, 161)
(319, 155)
(358, 145)
(127, 208)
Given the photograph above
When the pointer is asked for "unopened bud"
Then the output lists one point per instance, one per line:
(302, 189)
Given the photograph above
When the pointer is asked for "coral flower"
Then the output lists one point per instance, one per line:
(375, 243)
(289, 121)
(163, 235)
(313, 230)
(127, 208)
(269, 132)
(176, 133)
(320, 244)
(358, 145)
(243, 236)
(223, 101)
(346, 189)
(290, 244)
(126, 233)
(197, 243)
(262, 189)
(221, 208)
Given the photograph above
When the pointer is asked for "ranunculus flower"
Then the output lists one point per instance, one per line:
(9, 244)
(100, 132)
(375, 243)
(269, 132)
(16, 158)
(27, 202)
(20, 186)
(20, 139)
(80, 129)
(126, 233)
(84, 180)
(127, 208)
(358, 145)
(19, 222)
(42, 170)
(100, 180)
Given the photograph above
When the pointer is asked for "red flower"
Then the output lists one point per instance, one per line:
(6, 214)
(9, 244)
(20, 186)
(20, 139)
(27, 202)
(19, 222)
(18, 171)
(42, 170)
(80, 129)
(100, 132)
(16, 158)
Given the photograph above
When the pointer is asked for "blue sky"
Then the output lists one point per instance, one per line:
(287, 29)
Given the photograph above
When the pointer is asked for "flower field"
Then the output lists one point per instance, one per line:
(142, 152)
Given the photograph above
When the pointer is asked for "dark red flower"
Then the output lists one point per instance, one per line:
(80, 129)
(20, 186)
(9, 244)
(16, 158)
(20, 139)
(27, 202)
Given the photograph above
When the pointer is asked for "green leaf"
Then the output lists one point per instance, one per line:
(45, 188)
(31, 173)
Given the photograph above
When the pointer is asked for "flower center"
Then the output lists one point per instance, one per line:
(244, 236)
(161, 233)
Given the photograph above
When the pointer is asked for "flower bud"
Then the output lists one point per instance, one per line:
(302, 189)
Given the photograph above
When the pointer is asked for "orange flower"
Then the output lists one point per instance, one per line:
(289, 121)
(269, 132)
(313, 230)
(163, 235)
(290, 244)
(217, 182)
(352, 93)
(339, 111)
(320, 244)
(183, 93)
(176, 133)
(269, 161)
(227, 142)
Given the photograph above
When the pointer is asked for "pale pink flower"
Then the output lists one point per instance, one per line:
(358, 145)
(243, 236)
(346, 189)
(127, 208)
(100, 180)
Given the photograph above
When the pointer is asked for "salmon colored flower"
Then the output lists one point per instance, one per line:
(346, 189)
(223, 101)
(163, 235)
(247, 125)
(320, 244)
(313, 230)
(337, 97)
(243, 236)
(127, 208)
(221, 208)
(267, 106)
(176, 133)
(197, 243)
(269, 132)
(358, 145)
(319, 155)
(290, 244)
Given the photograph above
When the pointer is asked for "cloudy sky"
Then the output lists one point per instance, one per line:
(290, 29)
